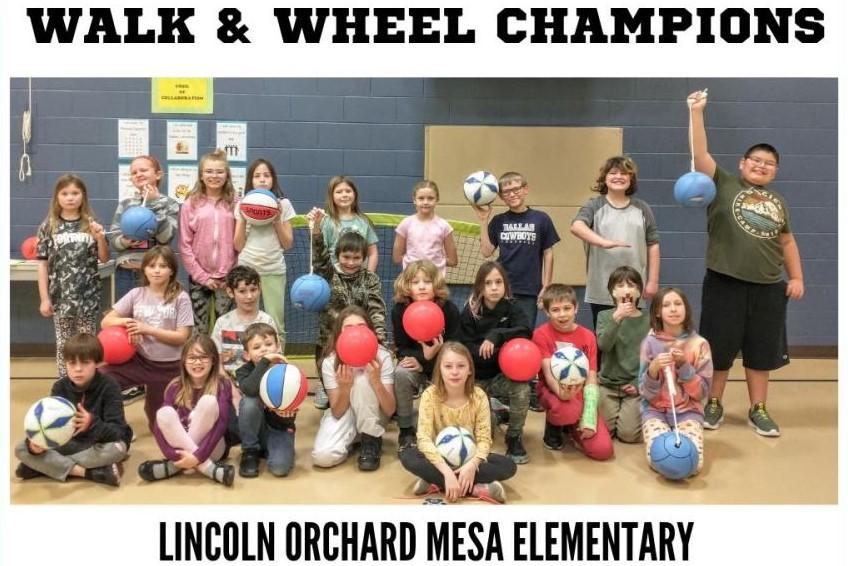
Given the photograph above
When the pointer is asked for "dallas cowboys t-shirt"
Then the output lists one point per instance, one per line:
(522, 239)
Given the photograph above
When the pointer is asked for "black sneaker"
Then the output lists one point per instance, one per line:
(552, 439)
(369, 455)
(249, 464)
(406, 439)
(24, 472)
(515, 450)
(133, 394)
(534, 397)
(108, 475)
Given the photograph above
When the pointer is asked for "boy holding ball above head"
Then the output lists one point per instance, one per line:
(261, 428)
(570, 407)
(743, 305)
(101, 437)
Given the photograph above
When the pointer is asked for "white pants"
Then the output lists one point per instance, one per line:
(335, 436)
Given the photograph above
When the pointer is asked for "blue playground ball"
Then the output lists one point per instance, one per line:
(671, 461)
(694, 190)
(138, 223)
(310, 292)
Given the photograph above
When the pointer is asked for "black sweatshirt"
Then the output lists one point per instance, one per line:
(498, 325)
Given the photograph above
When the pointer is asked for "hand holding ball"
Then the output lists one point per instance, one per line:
(356, 346)
(520, 359)
(423, 320)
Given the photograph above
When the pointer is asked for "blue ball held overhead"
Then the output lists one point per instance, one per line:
(672, 461)
(694, 190)
(310, 292)
(138, 223)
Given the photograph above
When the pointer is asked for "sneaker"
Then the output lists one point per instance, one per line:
(713, 414)
(369, 455)
(492, 492)
(515, 450)
(249, 464)
(24, 472)
(534, 397)
(500, 410)
(133, 394)
(321, 402)
(759, 418)
(552, 439)
(109, 475)
(406, 439)
(424, 488)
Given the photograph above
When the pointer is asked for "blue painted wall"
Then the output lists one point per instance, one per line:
(373, 129)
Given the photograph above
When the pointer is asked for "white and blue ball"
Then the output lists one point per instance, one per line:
(570, 365)
(259, 207)
(694, 190)
(138, 223)
(673, 461)
(310, 292)
(456, 445)
(283, 387)
(481, 188)
(49, 423)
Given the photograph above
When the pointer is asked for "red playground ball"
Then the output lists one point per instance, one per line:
(117, 348)
(259, 207)
(29, 247)
(423, 320)
(520, 359)
(356, 346)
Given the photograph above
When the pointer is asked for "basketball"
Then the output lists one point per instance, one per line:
(29, 247)
(671, 461)
(259, 207)
(138, 223)
(357, 346)
(481, 188)
(520, 359)
(456, 445)
(694, 190)
(570, 365)
(49, 423)
(423, 320)
(310, 292)
(283, 387)
(117, 348)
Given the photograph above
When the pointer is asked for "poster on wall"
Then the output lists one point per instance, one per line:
(182, 140)
(181, 179)
(126, 189)
(133, 138)
(239, 175)
(232, 138)
(180, 95)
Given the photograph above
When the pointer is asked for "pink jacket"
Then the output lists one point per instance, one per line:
(206, 239)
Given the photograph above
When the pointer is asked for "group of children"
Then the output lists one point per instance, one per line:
(195, 413)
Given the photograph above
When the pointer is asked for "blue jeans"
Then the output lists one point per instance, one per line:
(125, 281)
(256, 435)
(527, 303)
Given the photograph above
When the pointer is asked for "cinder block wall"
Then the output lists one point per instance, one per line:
(373, 129)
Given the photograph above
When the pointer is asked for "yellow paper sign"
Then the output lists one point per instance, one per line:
(181, 95)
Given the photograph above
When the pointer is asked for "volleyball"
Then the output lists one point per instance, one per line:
(570, 365)
(138, 223)
(49, 423)
(456, 445)
(310, 292)
(283, 387)
(694, 190)
(672, 461)
(259, 207)
(481, 188)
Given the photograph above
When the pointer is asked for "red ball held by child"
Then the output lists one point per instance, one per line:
(117, 348)
(357, 346)
(423, 321)
(520, 359)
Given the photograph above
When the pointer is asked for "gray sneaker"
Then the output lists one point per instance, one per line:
(759, 418)
(713, 414)
(321, 401)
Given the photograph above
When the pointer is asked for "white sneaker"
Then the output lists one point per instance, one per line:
(321, 402)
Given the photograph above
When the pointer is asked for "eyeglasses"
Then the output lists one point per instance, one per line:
(762, 162)
(215, 172)
(513, 191)
(198, 359)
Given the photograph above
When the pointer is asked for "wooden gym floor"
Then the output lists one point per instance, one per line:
(741, 467)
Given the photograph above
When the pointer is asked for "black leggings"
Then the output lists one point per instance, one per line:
(497, 467)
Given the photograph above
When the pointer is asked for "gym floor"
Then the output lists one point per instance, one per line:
(741, 467)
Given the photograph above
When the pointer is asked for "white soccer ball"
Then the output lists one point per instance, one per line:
(49, 423)
(570, 365)
(481, 188)
(456, 445)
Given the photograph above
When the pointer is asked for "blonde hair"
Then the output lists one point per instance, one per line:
(55, 212)
(509, 177)
(199, 190)
(403, 283)
(183, 381)
(425, 184)
(438, 380)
